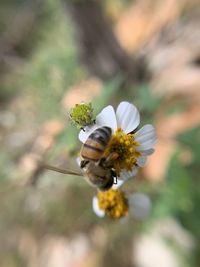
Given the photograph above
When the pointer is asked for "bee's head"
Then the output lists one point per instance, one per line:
(106, 186)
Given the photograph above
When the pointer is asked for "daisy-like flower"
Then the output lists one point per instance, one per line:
(132, 147)
(115, 204)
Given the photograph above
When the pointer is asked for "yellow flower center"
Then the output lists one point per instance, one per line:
(125, 147)
(113, 203)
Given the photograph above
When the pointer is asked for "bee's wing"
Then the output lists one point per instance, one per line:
(57, 169)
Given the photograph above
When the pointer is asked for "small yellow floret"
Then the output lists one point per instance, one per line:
(125, 146)
(113, 203)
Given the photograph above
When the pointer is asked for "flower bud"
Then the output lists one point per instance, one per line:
(82, 115)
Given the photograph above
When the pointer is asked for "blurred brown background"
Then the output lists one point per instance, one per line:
(54, 54)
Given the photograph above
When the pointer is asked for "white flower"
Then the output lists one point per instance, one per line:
(137, 146)
(139, 206)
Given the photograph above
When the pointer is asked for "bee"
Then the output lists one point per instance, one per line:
(97, 169)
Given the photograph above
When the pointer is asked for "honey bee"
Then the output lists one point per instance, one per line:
(97, 170)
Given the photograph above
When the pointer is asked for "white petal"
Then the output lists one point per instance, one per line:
(146, 136)
(83, 135)
(96, 209)
(141, 161)
(107, 117)
(125, 175)
(147, 152)
(128, 117)
(139, 205)
(118, 184)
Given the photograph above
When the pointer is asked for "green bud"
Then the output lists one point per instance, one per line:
(82, 115)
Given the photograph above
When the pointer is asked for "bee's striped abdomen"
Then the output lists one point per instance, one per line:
(94, 146)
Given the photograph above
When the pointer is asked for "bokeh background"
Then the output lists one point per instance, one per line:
(54, 54)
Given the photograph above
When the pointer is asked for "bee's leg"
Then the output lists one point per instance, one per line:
(113, 172)
(110, 159)
(115, 180)
(114, 175)
(84, 163)
(101, 162)
(108, 162)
